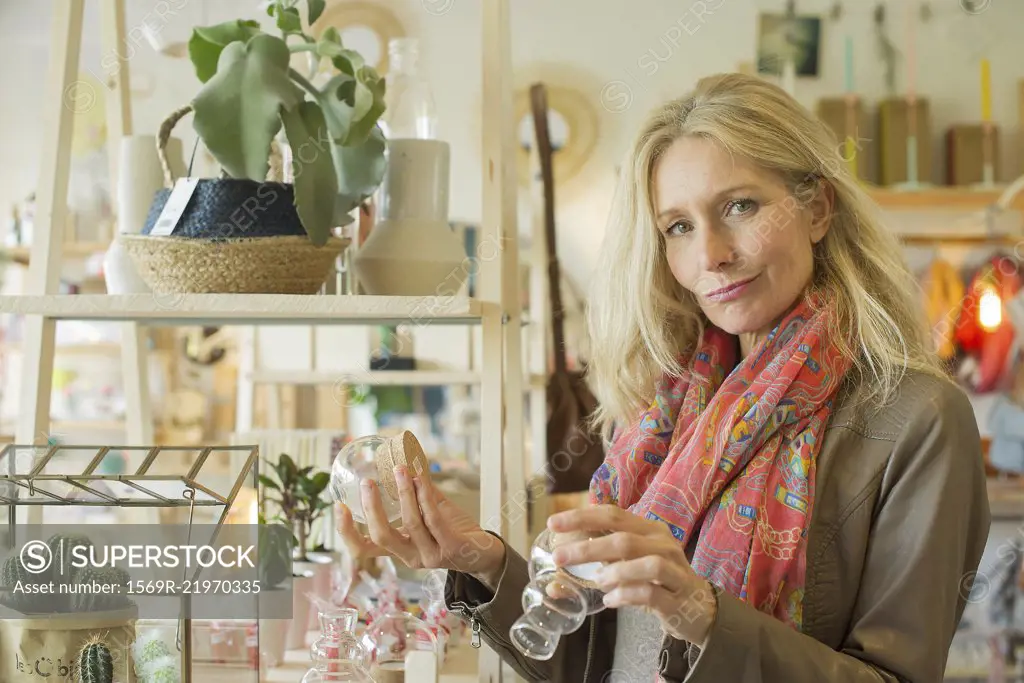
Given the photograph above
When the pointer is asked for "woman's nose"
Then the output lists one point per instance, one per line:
(715, 250)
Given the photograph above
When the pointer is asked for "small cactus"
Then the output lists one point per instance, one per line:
(95, 665)
(62, 545)
(162, 670)
(148, 648)
(12, 572)
(84, 601)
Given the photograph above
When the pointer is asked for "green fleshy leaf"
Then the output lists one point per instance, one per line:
(331, 35)
(289, 21)
(237, 111)
(315, 182)
(360, 169)
(207, 43)
(316, 8)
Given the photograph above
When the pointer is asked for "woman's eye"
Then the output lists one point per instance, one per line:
(740, 207)
(678, 228)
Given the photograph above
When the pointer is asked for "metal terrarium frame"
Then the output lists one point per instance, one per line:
(138, 489)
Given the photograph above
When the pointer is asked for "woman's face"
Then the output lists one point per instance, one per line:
(734, 235)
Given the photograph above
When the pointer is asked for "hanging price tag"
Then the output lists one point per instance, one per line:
(174, 209)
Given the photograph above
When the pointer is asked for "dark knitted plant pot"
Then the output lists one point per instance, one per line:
(232, 208)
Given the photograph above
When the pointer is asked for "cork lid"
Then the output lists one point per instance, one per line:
(402, 449)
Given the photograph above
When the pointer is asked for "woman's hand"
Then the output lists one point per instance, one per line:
(435, 533)
(645, 566)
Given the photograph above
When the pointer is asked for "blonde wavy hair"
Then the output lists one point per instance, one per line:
(640, 320)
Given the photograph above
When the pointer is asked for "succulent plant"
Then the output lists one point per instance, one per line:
(251, 91)
(86, 601)
(12, 572)
(95, 664)
(162, 670)
(62, 546)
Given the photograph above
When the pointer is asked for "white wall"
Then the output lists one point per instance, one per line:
(608, 48)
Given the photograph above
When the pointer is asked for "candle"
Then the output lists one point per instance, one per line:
(849, 65)
(789, 77)
(986, 91)
(911, 51)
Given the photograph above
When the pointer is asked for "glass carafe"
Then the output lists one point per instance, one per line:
(336, 654)
(557, 600)
(409, 100)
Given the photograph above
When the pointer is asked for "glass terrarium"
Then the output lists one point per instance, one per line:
(557, 600)
(374, 458)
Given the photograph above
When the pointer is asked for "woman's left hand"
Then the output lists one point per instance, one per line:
(645, 566)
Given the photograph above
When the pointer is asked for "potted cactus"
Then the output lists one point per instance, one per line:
(95, 663)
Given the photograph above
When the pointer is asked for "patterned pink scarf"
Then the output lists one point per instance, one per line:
(732, 449)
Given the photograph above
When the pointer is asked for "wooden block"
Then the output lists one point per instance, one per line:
(965, 156)
(834, 114)
(893, 133)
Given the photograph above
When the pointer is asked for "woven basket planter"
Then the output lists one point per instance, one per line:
(235, 236)
(260, 265)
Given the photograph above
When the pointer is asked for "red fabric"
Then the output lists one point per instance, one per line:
(729, 452)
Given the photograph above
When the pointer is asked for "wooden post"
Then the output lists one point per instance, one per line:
(499, 281)
(64, 95)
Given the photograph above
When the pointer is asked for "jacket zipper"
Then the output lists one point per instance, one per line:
(477, 626)
(474, 624)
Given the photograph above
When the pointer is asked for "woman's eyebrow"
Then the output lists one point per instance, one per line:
(673, 210)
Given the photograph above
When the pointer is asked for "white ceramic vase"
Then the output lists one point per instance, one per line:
(412, 250)
(140, 176)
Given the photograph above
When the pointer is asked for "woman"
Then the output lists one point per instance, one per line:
(795, 490)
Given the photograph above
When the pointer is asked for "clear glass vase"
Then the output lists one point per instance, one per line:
(557, 600)
(409, 112)
(337, 654)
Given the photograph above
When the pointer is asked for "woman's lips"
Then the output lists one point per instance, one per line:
(733, 291)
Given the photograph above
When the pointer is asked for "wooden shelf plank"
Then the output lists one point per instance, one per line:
(959, 238)
(71, 249)
(407, 378)
(939, 198)
(263, 309)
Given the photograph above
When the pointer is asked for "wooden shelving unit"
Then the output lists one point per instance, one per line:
(497, 311)
(938, 198)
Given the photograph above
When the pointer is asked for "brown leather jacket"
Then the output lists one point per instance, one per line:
(900, 519)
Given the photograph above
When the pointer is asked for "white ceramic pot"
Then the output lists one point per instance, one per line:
(323, 564)
(412, 250)
(119, 271)
(299, 625)
(273, 638)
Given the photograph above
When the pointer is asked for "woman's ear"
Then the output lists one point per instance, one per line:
(820, 208)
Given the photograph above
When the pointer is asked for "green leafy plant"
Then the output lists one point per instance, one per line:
(251, 90)
(298, 494)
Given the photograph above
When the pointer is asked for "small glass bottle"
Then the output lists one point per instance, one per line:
(557, 600)
(409, 100)
(375, 457)
(337, 655)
